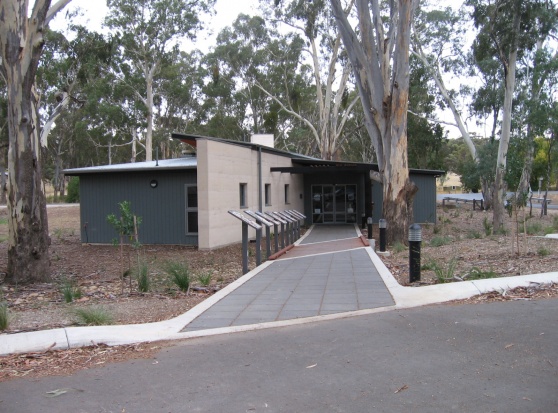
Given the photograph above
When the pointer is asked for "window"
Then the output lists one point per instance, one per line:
(268, 194)
(287, 200)
(243, 195)
(191, 209)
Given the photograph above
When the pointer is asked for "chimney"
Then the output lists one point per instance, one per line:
(263, 139)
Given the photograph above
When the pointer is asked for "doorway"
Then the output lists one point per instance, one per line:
(333, 204)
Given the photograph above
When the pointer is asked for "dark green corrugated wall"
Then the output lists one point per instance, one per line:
(162, 209)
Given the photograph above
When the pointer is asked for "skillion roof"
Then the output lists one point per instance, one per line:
(190, 162)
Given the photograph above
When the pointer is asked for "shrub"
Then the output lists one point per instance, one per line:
(4, 316)
(543, 252)
(179, 274)
(204, 279)
(398, 247)
(487, 226)
(142, 276)
(70, 291)
(73, 190)
(478, 274)
(474, 235)
(534, 228)
(93, 316)
(439, 241)
(443, 273)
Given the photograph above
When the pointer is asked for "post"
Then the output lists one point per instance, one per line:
(415, 239)
(363, 221)
(382, 223)
(258, 247)
(244, 248)
(369, 228)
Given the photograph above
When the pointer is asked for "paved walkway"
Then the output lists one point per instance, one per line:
(329, 272)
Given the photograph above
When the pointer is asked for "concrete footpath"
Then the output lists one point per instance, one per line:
(329, 274)
(492, 357)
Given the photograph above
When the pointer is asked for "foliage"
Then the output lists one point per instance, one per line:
(93, 316)
(73, 190)
(439, 241)
(543, 252)
(472, 173)
(4, 315)
(127, 228)
(444, 273)
(204, 278)
(142, 277)
(487, 226)
(70, 291)
(398, 247)
(478, 274)
(179, 274)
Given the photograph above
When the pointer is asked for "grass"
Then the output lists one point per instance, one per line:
(142, 276)
(474, 235)
(478, 274)
(439, 241)
(444, 273)
(543, 252)
(398, 247)
(4, 316)
(179, 274)
(487, 226)
(93, 316)
(70, 291)
(534, 228)
(204, 278)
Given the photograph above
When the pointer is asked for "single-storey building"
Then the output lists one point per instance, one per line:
(186, 200)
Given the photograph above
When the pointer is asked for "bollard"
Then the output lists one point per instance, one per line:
(369, 223)
(415, 239)
(382, 224)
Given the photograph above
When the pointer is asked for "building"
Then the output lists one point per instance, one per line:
(186, 200)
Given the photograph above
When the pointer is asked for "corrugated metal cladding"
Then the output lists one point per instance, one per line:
(424, 203)
(162, 208)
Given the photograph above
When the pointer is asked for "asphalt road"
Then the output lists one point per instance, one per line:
(495, 357)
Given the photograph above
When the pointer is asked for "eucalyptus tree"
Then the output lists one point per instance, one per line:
(379, 55)
(22, 28)
(508, 29)
(150, 32)
(329, 68)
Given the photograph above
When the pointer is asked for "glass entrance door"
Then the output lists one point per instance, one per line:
(333, 203)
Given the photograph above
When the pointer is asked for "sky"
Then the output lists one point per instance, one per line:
(226, 12)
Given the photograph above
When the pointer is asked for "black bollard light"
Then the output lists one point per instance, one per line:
(369, 227)
(382, 224)
(415, 239)
(363, 221)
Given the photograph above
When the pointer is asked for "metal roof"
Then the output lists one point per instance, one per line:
(164, 164)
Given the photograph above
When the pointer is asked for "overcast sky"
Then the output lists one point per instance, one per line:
(226, 12)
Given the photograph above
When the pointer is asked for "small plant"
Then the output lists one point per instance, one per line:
(93, 316)
(204, 279)
(58, 233)
(179, 274)
(436, 229)
(444, 273)
(534, 228)
(142, 276)
(70, 291)
(439, 241)
(543, 252)
(398, 247)
(4, 316)
(474, 235)
(478, 274)
(487, 226)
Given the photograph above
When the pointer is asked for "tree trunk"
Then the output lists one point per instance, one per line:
(384, 93)
(149, 107)
(21, 40)
(499, 183)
